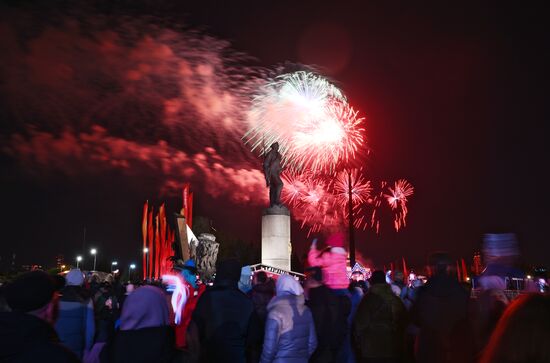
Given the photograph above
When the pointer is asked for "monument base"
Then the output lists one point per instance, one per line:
(276, 247)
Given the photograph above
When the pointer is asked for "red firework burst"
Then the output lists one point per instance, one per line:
(397, 199)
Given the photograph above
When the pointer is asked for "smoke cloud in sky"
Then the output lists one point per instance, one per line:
(91, 95)
(87, 153)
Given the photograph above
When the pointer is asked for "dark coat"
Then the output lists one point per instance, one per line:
(226, 323)
(261, 295)
(289, 332)
(75, 324)
(441, 312)
(142, 345)
(330, 313)
(26, 338)
(378, 329)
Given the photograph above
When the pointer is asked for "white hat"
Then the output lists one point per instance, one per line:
(75, 277)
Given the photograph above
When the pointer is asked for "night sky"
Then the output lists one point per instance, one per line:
(454, 100)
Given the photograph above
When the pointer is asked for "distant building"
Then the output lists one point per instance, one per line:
(59, 261)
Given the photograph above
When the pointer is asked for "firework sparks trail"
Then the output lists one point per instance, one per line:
(397, 199)
(360, 188)
(310, 119)
(376, 203)
(320, 202)
(312, 204)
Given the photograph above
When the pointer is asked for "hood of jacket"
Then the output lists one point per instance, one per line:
(284, 309)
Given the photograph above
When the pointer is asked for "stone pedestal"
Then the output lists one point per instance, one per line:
(276, 247)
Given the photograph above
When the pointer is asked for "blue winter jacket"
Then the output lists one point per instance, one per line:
(289, 332)
(75, 324)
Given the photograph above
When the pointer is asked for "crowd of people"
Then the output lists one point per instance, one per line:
(253, 317)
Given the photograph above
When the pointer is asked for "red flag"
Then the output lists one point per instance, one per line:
(464, 270)
(405, 271)
(162, 242)
(157, 247)
(185, 199)
(150, 237)
(189, 218)
(169, 253)
(144, 234)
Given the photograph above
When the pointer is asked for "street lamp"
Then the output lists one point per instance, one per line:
(93, 251)
(146, 251)
(130, 268)
(78, 259)
(350, 222)
(114, 263)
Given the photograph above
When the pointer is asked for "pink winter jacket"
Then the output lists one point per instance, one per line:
(333, 264)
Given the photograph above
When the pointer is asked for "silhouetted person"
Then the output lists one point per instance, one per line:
(224, 319)
(378, 329)
(440, 312)
(75, 324)
(261, 294)
(27, 333)
(330, 313)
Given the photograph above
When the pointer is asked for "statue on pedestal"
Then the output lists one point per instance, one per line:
(272, 172)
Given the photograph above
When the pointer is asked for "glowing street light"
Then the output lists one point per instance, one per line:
(146, 251)
(78, 259)
(130, 268)
(93, 251)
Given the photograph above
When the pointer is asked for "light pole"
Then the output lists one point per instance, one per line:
(130, 268)
(93, 251)
(114, 263)
(78, 259)
(146, 251)
(350, 223)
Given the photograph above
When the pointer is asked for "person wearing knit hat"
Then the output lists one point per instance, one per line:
(26, 332)
(332, 261)
(75, 325)
(75, 277)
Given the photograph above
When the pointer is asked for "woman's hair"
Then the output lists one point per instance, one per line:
(522, 333)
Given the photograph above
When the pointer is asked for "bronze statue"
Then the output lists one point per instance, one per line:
(272, 171)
